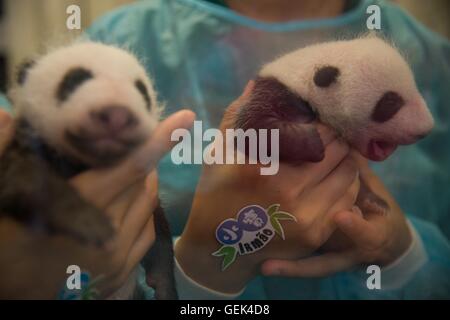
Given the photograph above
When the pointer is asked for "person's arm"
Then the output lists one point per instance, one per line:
(308, 192)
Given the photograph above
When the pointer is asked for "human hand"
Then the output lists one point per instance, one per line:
(6, 129)
(361, 238)
(125, 194)
(309, 192)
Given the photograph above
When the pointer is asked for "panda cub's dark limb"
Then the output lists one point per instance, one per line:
(158, 262)
(34, 193)
(273, 106)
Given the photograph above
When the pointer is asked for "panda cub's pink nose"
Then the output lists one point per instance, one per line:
(114, 118)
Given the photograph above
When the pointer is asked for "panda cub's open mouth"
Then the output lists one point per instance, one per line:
(103, 149)
(379, 150)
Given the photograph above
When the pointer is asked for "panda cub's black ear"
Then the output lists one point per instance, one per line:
(22, 71)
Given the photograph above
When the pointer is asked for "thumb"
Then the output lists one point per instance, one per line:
(114, 180)
(161, 142)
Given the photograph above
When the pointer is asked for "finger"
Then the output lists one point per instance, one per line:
(312, 173)
(345, 202)
(142, 245)
(121, 204)
(134, 221)
(102, 186)
(317, 266)
(361, 161)
(117, 209)
(369, 234)
(348, 199)
(148, 156)
(134, 257)
(6, 129)
(339, 182)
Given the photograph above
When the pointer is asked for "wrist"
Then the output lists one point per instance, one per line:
(193, 253)
(397, 246)
(399, 272)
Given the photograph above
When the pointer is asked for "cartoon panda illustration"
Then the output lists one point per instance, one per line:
(362, 88)
(86, 105)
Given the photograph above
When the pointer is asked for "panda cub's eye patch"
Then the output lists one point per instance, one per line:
(387, 106)
(71, 81)
(140, 86)
(325, 76)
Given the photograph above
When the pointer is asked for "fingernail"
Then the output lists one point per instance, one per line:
(188, 117)
(5, 120)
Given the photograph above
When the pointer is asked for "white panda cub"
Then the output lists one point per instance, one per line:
(86, 105)
(361, 88)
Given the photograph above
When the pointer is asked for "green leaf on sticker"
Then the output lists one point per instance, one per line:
(272, 209)
(277, 226)
(229, 254)
(276, 216)
(281, 215)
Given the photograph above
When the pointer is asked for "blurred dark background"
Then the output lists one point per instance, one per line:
(3, 61)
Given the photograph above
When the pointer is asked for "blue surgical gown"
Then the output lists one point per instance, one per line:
(4, 103)
(201, 55)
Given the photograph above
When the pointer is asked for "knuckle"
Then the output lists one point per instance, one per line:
(288, 195)
(349, 166)
(305, 222)
(313, 241)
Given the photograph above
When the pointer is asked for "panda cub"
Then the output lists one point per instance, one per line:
(361, 88)
(87, 105)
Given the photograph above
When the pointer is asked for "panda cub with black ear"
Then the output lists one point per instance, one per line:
(362, 88)
(86, 105)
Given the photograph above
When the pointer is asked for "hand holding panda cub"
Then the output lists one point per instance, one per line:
(85, 106)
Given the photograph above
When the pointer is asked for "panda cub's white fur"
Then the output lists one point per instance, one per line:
(113, 83)
(366, 69)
